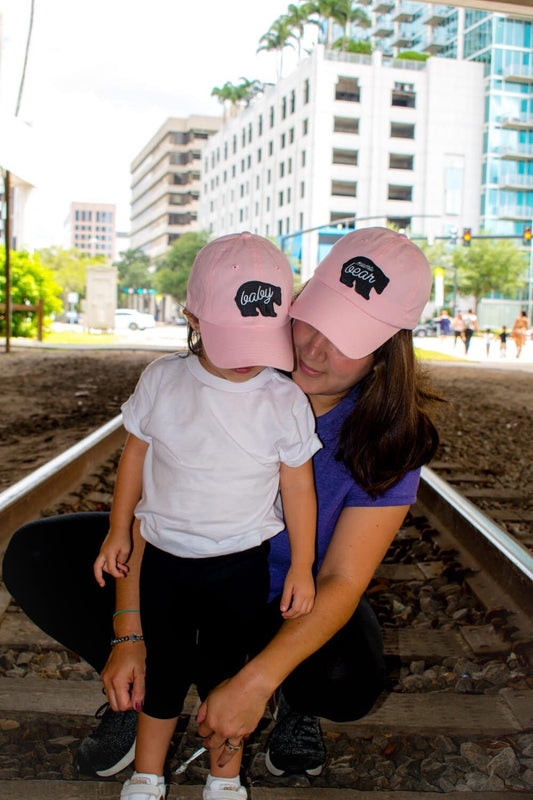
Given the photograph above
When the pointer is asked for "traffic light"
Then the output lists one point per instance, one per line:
(526, 235)
(467, 236)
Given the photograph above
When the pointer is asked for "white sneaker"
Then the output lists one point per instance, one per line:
(143, 786)
(221, 789)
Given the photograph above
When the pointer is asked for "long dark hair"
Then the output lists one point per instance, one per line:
(389, 431)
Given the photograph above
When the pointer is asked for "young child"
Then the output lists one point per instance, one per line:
(503, 336)
(487, 338)
(213, 437)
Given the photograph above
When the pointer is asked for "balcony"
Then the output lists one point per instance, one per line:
(516, 151)
(520, 73)
(402, 40)
(406, 12)
(383, 6)
(384, 27)
(434, 42)
(520, 213)
(518, 122)
(436, 14)
(516, 182)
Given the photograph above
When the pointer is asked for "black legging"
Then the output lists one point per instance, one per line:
(47, 568)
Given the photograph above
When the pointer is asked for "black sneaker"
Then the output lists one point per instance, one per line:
(295, 744)
(111, 747)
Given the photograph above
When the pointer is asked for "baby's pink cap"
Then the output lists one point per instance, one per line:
(240, 288)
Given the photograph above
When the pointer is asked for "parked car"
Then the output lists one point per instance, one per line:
(428, 328)
(129, 318)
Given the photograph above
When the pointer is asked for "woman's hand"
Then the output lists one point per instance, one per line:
(123, 676)
(232, 711)
(298, 595)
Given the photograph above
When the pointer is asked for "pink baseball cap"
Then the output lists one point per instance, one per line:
(372, 283)
(240, 288)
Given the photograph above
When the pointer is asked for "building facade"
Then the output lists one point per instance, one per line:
(504, 45)
(165, 183)
(349, 137)
(91, 229)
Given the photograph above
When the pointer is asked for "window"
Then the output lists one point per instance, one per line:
(305, 127)
(348, 157)
(268, 204)
(291, 135)
(303, 158)
(345, 125)
(271, 116)
(249, 132)
(306, 91)
(260, 125)
(259, 155)
(282, 140)
(289, 195)
(257, 181)
(400, 192)
(280, 199)
(233, 171)
(344, 188)
(234, 143)
(225, 150)
(344, 218)
(289, 166)
(302, 189)
(269, 175)
(293, 101)
(280, 227)
(282, 169)
(270, 148)
(400, 161)
(402, 130)
(283, 107)
(347, 90)
(404, 95)
(249, 161)
(243, 134)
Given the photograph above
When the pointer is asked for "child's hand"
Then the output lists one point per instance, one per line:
(112, 558)
(298, 596)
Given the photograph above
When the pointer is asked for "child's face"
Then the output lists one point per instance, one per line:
(237, 375)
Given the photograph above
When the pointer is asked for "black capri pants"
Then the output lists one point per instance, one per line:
(198, 618)
(48, 569)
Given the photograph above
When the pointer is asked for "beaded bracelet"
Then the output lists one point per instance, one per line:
(126, 611)
(135, 637)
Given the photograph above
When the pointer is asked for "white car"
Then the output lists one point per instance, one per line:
(129, 318)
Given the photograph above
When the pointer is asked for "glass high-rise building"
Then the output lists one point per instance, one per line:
(504, 44)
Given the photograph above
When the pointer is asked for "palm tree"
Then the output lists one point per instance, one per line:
(343, 12)
(228, 95)
(297, 17)
(277, 38)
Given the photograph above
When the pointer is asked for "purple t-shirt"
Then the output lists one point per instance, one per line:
(335, 488)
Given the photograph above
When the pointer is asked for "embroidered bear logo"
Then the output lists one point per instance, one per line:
(366, 276)
(254, 296)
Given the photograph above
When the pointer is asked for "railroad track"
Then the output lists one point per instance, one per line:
(454, 597)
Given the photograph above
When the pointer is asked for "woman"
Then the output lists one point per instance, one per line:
(519, 332)
(355, 360)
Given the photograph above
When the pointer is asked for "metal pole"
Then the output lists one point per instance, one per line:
(7, 238)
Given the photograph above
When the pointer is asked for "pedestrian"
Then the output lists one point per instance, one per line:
(487, 338)
(355, 360)
(458, 328)
(470, 327)
(210, 440)
(519, 332)
(503, 336)
(445, 324)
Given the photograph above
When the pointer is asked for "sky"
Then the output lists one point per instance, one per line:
(104, 75)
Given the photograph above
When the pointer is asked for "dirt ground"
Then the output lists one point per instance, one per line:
(50, 399)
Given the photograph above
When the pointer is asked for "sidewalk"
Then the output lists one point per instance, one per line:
(477, 355)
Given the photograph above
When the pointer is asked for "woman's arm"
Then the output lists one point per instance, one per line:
(362, 537)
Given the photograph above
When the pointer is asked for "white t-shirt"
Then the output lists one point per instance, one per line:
(211, 471)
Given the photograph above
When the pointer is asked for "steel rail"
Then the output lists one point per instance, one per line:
(504, 558)
(23, 501)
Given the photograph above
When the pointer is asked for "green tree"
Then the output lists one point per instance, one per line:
(133, 272)
(277, 38)
(297, 17)
(353, 46)
(30, 282)
(413, 55)
(489, 265)
(173, 269)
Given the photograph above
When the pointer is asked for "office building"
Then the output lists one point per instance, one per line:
(90, 229)
(344, 137)
(165, 183)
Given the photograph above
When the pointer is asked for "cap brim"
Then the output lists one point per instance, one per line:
(346, 325)
(229, 348)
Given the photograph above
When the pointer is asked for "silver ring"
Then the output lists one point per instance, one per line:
(233, 747)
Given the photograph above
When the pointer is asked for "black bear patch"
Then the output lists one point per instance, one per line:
(366, 276)
(254, 297)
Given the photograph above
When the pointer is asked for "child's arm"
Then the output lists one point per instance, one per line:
(299, 508)
(116, 547)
